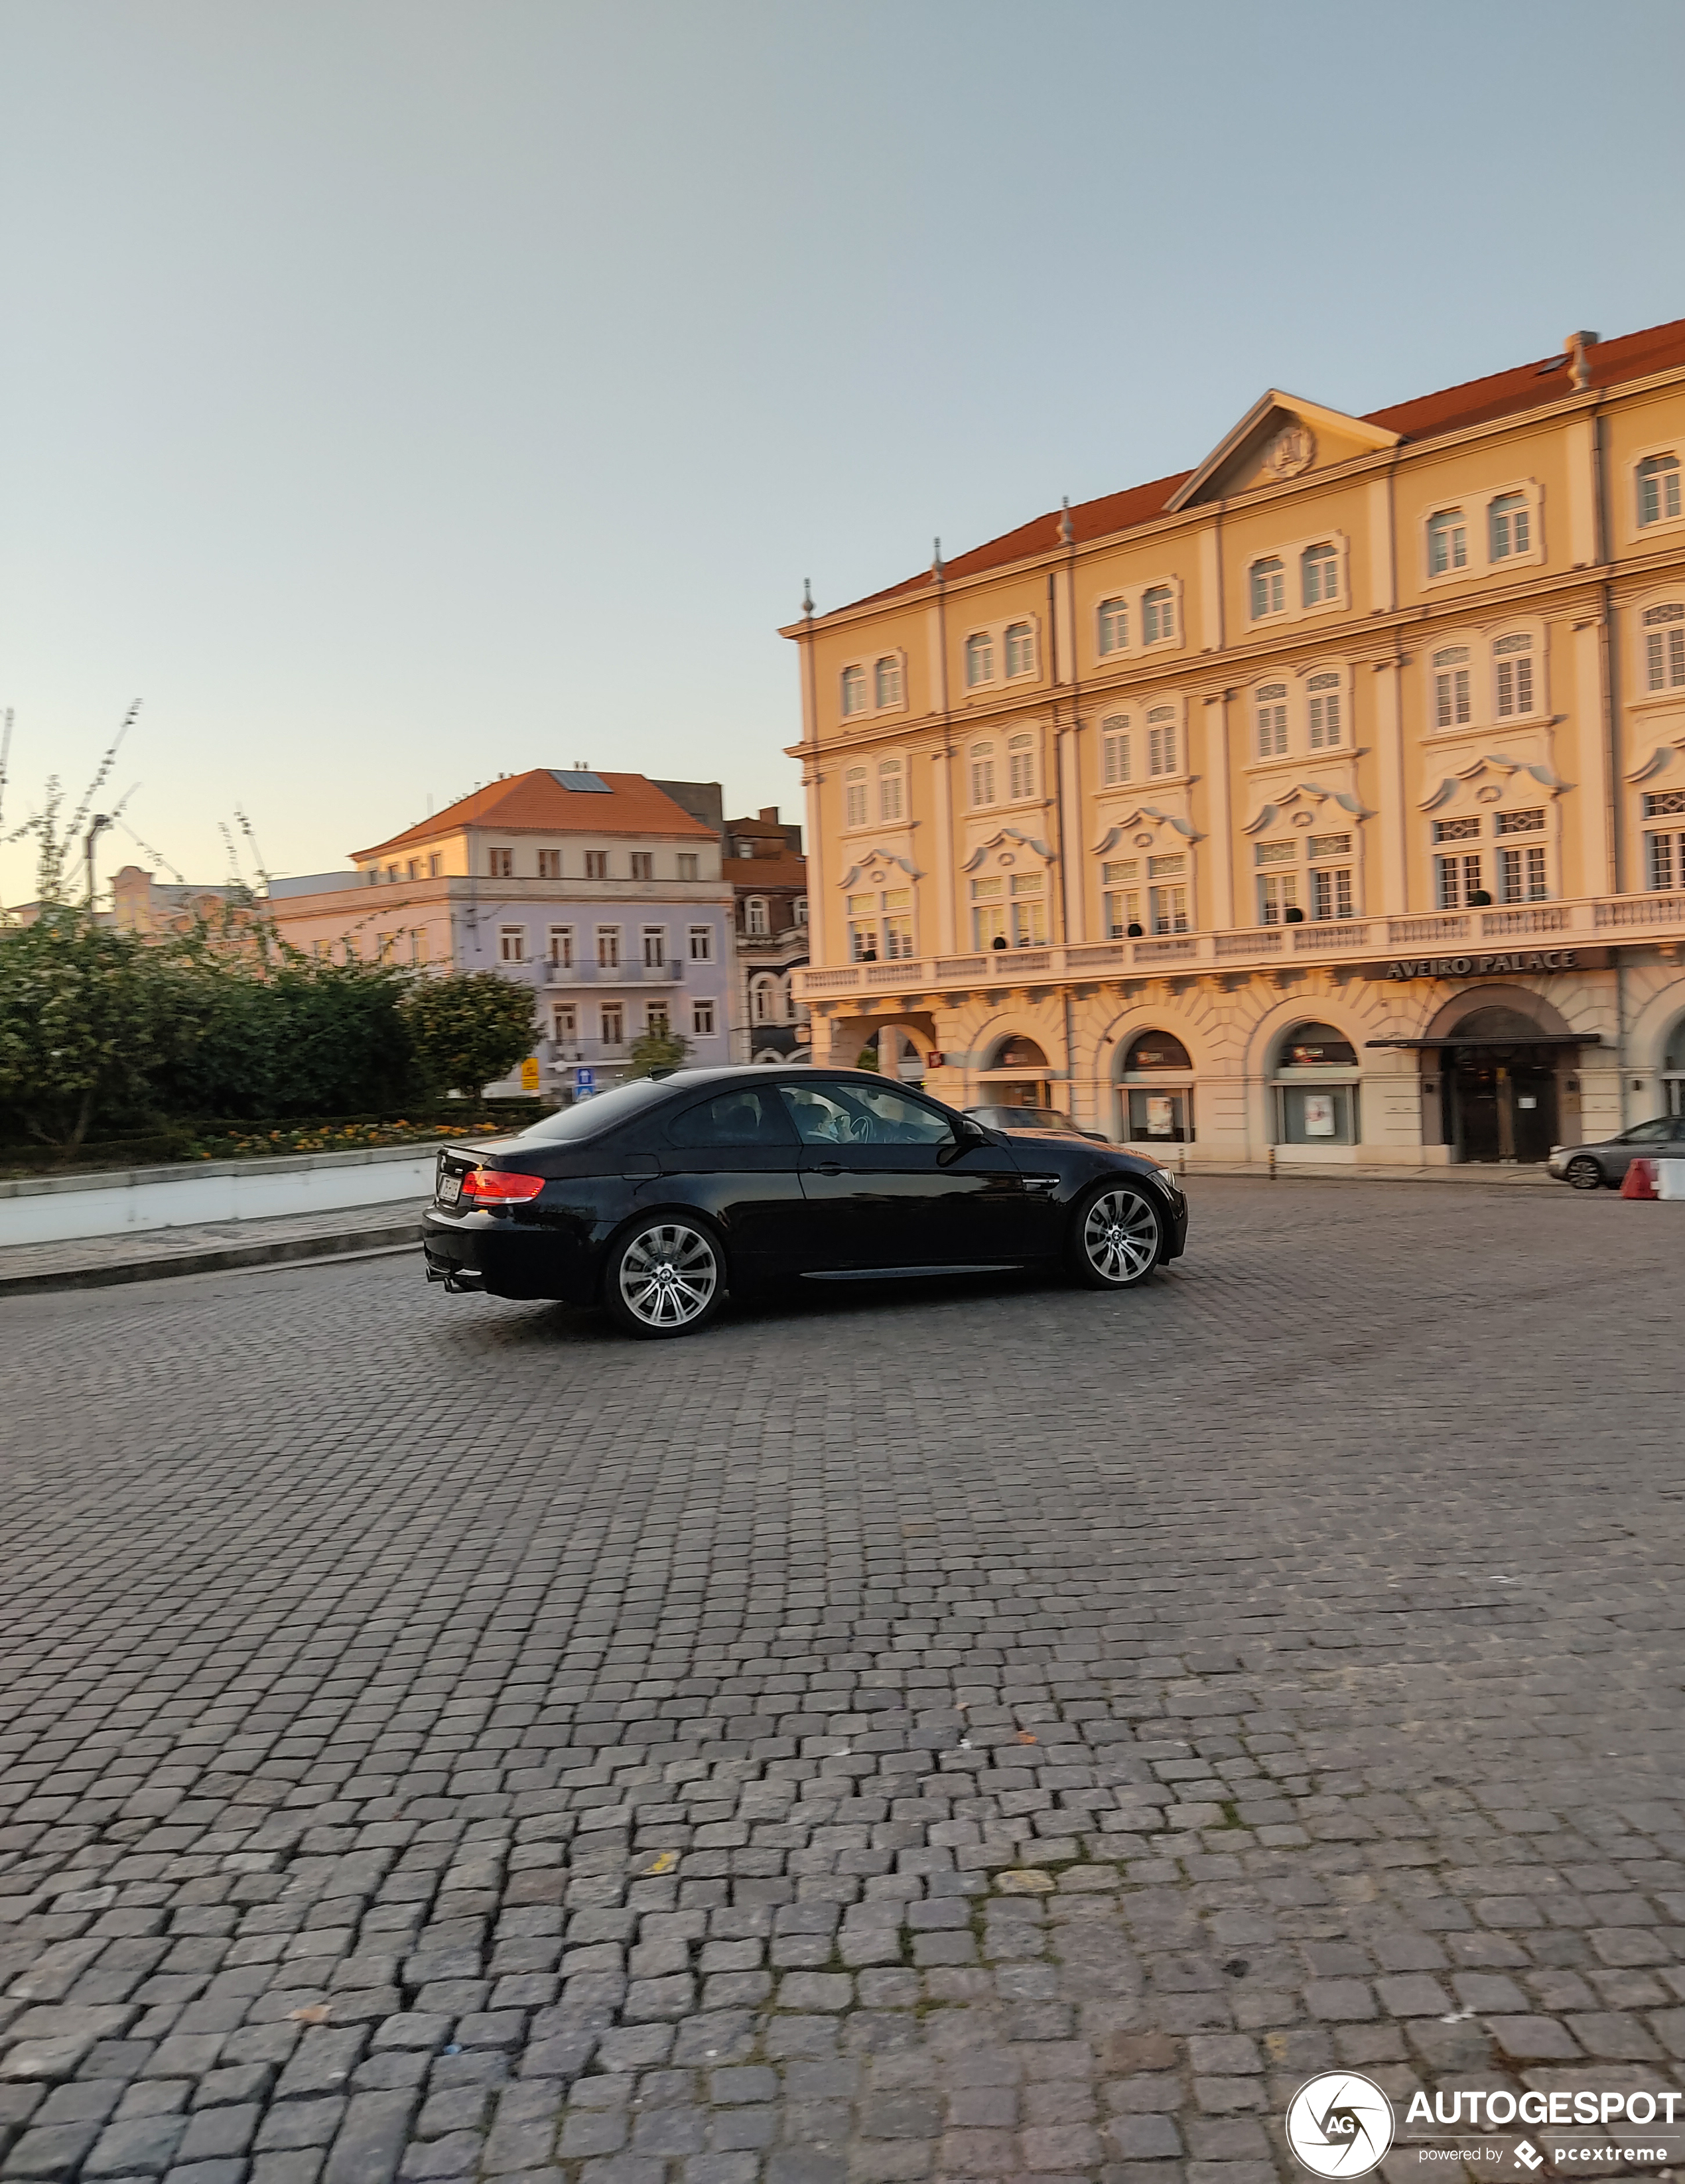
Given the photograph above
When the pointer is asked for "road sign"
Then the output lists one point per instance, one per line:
(529, 1073)
(585, 1080)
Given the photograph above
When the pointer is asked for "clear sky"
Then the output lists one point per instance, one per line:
(398, 393)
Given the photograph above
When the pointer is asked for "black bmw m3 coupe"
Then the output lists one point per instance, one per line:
(658, 1198)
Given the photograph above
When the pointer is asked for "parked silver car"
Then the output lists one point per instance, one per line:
(1589, 1167)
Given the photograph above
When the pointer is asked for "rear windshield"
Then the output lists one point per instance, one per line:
(589, 1118)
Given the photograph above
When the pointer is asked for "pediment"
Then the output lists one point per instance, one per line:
(1281, 437)
(1143, 829)
(1489, 778)
(877, 868)
(1659, 760)
(1003, 849)
(1308, 797)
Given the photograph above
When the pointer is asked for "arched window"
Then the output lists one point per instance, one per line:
(982, 773)
(890, 789)
(854, 797)
(1451, 686)
(1513, 675)
(763, 999)
(1509, 527)
(1323, 692)
(1447, 543)
(1664, 647)
(1269, 587)
(979, 660)
(1316, 1046)
(1156, 1049)
(1020, 766)
(756, 921)
(886, 680)
(1161, 741)
(853, 690)
(801, 910)
(1319, 570)
(1114, 750)
(1020, 648)
(1114, 625)
(1020, 1054)
(1658, 489)
(1163, 1110)
(1316, 1092)
(1272, 720)
(1157, 616)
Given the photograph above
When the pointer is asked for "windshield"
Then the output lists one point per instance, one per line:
(589, 1118)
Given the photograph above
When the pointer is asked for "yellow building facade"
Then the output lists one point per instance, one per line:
(1325, 804)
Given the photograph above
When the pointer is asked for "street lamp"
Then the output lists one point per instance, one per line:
(96, 827)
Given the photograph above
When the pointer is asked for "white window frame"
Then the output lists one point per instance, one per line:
(852, 686)
(1269, 572)
(1117, 733)
(1668, 691)
(1109, 639)
(614, 1013)
(564, 1022)
(1454, 572)
(1529, 654)
(757, 918)
(1323, 685)
(891, 666)
(856, 799)
(702, 944)
(500, 864)
(1271, 722)
(596, 864)
(702, 1019)
(980, 762)
(891, 776)
(1166, 587)
(549, 864)
(655, 939)
(979, 650)
(1468, 642)
(1328, 557)
(559, 947)
(1168, 716)
(511, 944)
(608, 948)
(1021, 635)
(1664, 523)
(1022, 769)
(1129, 600)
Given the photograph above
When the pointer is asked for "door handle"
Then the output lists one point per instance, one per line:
(829, 1167)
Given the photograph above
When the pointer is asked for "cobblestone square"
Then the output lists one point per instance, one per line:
(979, 1732)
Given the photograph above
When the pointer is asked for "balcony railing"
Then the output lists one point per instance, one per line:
(1559, 924)
(558, 975)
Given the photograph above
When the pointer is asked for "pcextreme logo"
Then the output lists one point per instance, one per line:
(1340, 2124)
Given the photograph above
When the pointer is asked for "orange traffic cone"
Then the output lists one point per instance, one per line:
(1640, 1181)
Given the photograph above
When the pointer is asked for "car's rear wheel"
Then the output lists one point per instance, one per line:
(665, 1277)
(1116, 1237)
(1584, 1174)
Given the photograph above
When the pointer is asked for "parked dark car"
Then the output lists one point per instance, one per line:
(1589, 1167)
(655, 1199)
(1039, 1122)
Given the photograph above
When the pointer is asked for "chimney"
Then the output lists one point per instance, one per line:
(769, 812)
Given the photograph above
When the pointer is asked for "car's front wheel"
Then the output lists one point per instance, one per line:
(665, 1277)
(1584, 1174)
(1116, 1237)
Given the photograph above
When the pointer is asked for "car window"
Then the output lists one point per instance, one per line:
(748, 1114)
(830, 1112)
(589, 1118)
(1648, 1133)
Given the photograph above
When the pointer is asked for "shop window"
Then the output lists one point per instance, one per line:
(1312, 1108)
(1272, 720)
(1664, 647)
(1325, 711)
(1164, 1111)
(1115, 751)
(1114, 620)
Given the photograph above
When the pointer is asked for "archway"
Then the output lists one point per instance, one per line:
(1017, 1074)
(1157, 1088)
(1501, 1052)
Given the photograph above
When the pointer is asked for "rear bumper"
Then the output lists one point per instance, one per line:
(484, 1255)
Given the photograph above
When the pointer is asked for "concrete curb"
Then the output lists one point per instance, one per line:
(217, 1259)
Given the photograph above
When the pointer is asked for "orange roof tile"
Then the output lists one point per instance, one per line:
(536, 802)
(1454, 408)
(771, 873)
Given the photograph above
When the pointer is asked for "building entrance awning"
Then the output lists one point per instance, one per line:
(1513, 1039)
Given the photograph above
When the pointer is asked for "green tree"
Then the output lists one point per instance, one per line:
(656, 1049)
(468, 1029)
(83, 1025)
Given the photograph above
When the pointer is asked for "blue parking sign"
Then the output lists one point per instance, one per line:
(585, 1080)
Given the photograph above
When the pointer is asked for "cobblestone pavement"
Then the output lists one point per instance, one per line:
(981, 1733)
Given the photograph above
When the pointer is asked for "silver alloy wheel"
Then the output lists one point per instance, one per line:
(1584, 1174)
(668, 1275)
(1121, 1236)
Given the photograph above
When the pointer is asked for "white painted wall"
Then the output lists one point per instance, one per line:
(55, 1209)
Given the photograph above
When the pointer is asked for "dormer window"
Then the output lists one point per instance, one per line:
(1324, 708)
(979, 661)
(1269, 589)
(1157, 616)
(1451, 686)
(853, 690)
(1272, 720)
(1114, 625)
(1510, 526)
(1319, 569)
(1447, 543)
(1659, 489)
(1020, 648)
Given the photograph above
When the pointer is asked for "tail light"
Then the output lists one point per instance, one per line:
(500, 1186)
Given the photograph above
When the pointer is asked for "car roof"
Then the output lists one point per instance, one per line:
(759, 1072)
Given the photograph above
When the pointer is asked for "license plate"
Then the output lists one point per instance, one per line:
(450, 1187)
